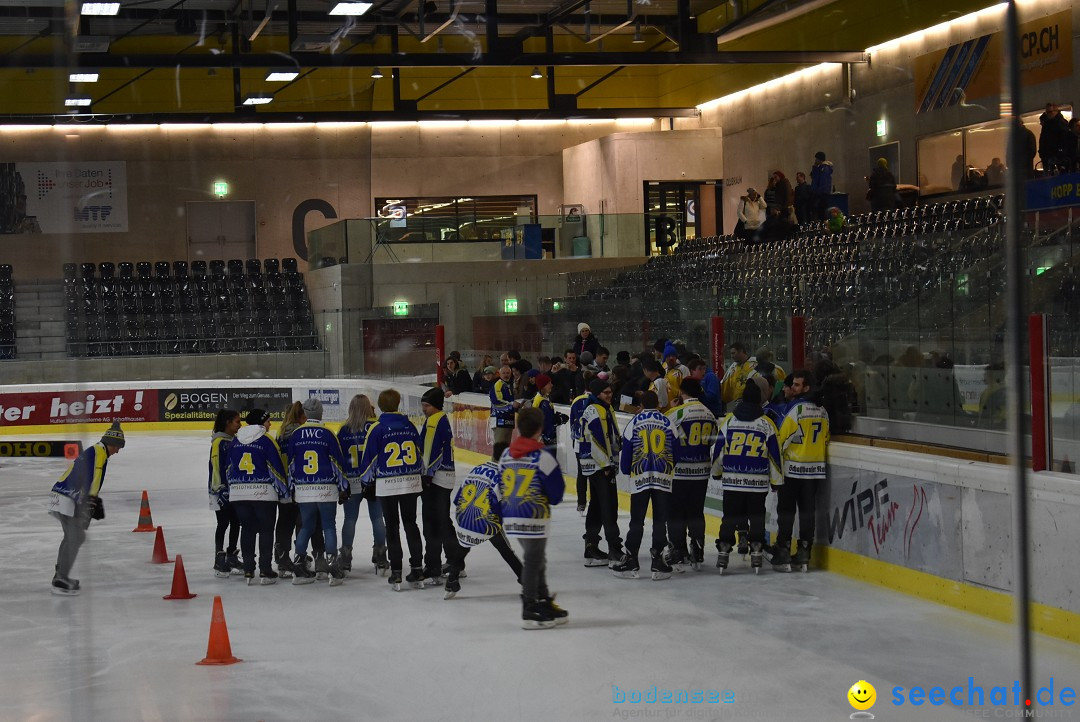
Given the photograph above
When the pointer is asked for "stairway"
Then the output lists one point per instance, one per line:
(39, 320)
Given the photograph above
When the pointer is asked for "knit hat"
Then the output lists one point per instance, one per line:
(532, 373)
(820, 155)
(542, 380)
(256, 417)
(582, 326)
(585, 358)
(670, 351)
(752, 394)
(765, 367)
(114, 436)
(489, 369)
(313, 408)
(597, 386)
(751, 190)
(433, 397)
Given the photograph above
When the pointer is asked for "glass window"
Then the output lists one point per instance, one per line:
(483, 218)
(941, 162)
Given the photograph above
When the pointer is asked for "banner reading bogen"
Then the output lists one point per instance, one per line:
(82, 197)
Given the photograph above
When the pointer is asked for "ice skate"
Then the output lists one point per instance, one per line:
(660, 569)
(284, 564)
(628, 568)
(333, 567)
(743, 543)
(453, 586)
(65, 587)
(756, 556)
(594, 557)
(697, 555)
(415, 578)
(581, 509)
(723, 555)
(395, 580)
(560, 615)
(446, 571)
(221, 566)
(267, 577)
(303, 575)
(345, 559)
(781, 558)
(378, 558)
(534, 615)
(249, 577)
(433, 576)
(236, 566)
(801, 561)
(322, 567)
(674, 558)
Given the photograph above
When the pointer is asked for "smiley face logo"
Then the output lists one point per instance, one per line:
(862, 695)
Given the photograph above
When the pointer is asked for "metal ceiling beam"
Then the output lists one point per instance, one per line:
(435, 60)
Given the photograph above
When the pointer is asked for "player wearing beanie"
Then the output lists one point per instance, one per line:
(438, 477)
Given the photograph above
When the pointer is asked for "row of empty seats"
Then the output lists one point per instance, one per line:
(158, 308)
(7, 313)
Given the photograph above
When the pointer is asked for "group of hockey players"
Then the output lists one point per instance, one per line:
(280, 493)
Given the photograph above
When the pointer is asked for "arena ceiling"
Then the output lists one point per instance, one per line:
(200, 60)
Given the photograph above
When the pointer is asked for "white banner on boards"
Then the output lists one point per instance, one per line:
(77, 197)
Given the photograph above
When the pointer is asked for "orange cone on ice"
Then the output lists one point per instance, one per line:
(160, 555)
(179, 582)
(146, 522)
(218, 649)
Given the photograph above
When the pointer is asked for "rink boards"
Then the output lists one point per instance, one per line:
(935, 527)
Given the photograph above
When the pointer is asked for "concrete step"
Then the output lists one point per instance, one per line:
(37, 344)
(31, 318)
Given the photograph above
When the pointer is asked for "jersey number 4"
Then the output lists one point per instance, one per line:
(745, 444)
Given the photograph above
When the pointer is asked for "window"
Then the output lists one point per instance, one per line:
(480, 218)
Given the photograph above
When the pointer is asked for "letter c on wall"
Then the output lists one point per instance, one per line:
(298, 238)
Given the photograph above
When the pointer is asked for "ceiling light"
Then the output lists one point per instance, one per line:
(282, 76)
(536, 74)
(90, 44)
(350, 8)
(78, 101)
(258, 99)
(376, 74)
(100, 8)
(82, 77)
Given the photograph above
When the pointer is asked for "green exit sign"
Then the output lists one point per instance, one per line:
(510, 305)
(882, 128)
(401, 308)
(221, 189)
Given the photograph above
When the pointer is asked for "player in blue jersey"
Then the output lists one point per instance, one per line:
(695, 432)
(256, 478)
(353, 437)
(599, 454)
(75, 500)
(226, 424)
(531, 483)
(503, 406)
(648, 458)
(318, 482)
(478, 515)
(577, 408)
(392, 463)
(746, 461)
(438, 477)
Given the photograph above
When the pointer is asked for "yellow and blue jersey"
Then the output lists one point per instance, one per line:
(254, 470)
(352, 443)
(81, 480)
(502, 404)
(529, 486)
(599, 437)
(804, 438)
(548, 436)
(219, 490)
(747, 454)
(577, 408)
(695, 432)
(315, 463)
(438, 450)
(477, 507)
(648, 451)
(392, 459)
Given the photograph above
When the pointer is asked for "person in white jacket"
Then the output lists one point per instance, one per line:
(751, 213)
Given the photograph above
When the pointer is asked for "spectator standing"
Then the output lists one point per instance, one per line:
(821, 184)
(585, 341)
(735, 377)
(882, 187)
(456, 379)
(568, 379)
(804, 200)
(484, 380)
(995, 173)
(751, 214)
(710, 386)
(1052, 139)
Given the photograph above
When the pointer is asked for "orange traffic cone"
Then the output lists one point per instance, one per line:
(160, 556)
(179, 582)
(218, 649)
(146, 522)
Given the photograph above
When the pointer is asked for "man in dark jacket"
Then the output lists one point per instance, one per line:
(821, 184)
(804, 199)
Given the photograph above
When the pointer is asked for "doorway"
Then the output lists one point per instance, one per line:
(221, 229)
(679, 210)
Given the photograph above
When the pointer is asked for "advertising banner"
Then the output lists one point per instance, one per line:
(202, 404)
(1060, 191)
(76, 197)
(77, 407)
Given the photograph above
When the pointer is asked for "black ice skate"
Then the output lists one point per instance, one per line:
(534, 615)
(697, 555)
(303, 574)
(267, 577)
(65, 587)
(345, 559)
(415, 577)
(781, 558)
(433, 576)
(284, 564)
(249, 577)
(744, 543)
(560, 615)
(378, 558)
(221, 566)
(333, 568)
(628, 568)
(723, 555)
(322, 567)
(395, 580)
(801, 561)
(446, 571)
(233, 559)
(756, 556)
(453, 586)
(594, 557)
(660, 569)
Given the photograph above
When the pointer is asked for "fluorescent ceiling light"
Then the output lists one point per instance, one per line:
(90, 44)
(376, 74)
(258, 99)
(100, 8)
(282, 75)
(350, 8)
(78, 101)
(82, 77)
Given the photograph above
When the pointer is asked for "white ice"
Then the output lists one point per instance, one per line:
(787, 646)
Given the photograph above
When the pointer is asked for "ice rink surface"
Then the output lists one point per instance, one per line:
(782, 646)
